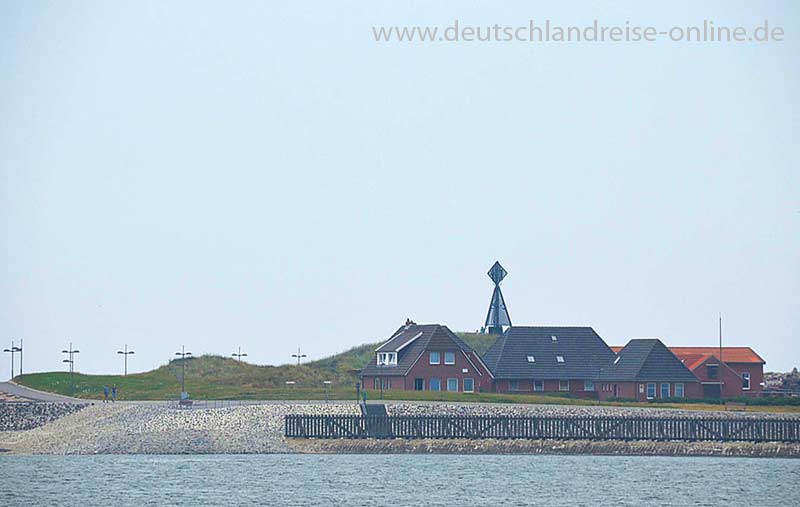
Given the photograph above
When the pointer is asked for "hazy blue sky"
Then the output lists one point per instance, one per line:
(239, 173)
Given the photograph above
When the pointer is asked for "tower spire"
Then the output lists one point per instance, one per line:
(497, 317)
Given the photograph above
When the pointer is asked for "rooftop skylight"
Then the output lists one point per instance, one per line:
(554, 338)
(616, 360)
(560, 359)
(531, 359)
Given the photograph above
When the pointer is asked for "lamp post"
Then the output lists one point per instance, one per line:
(71, 352)
(183, 355)
(20, 356)
(125, 353)
(13, 350)
(239, 355)
(327, 384)
(299, 356)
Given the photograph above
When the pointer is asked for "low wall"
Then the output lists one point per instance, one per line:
(18, 416)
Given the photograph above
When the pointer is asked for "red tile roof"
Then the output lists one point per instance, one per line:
(691, 356)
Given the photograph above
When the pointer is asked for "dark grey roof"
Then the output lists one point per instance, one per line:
(431, 337)
(583, 350)
(647, 359)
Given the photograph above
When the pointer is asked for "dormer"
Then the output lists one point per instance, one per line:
(386, 359)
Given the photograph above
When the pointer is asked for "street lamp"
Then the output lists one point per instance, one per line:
(125, 353)
(183, 355)
(71, 362)
(239, 356)
(299, 356)
(13, 350)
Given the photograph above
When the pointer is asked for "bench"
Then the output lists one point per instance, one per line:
(735, 405)
(185, 403)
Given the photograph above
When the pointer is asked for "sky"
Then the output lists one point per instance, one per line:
(226, 174)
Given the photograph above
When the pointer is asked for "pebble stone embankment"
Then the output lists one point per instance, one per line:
(147, 428)
(568, 410)
(143, 428)
(18, 415)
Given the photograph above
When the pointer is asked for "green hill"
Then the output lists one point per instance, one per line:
(215, 377)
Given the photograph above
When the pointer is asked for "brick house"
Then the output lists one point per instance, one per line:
(426, 357)
(645, 369)
(548, 359)
(742, 361)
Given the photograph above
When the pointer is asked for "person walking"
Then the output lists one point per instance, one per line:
(105, 394)
(114, 393)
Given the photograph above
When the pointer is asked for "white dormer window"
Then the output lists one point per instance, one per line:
(387, 359)
(559, 359)
(531, 359)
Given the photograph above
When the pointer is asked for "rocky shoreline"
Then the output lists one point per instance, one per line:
(150, 428)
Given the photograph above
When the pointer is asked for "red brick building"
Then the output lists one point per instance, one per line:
(645, 369)
(742, 362)
(532, 359)
(426, 357)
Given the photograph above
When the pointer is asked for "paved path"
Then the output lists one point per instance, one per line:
(32, 394)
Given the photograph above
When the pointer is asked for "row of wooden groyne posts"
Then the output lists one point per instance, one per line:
(728, 429)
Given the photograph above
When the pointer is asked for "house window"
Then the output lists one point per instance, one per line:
(513, 385)
(745, 381)
(376, 383)
(436, 384)
(531, 359)
(452, 385)
(538, 385)
(712, 370)
(419, 384)
(387, 358)
(469, 385)
(679, 390)
(434, 358)
(449, 358)
(563, 385)
(651, 391)
(559, 359)
(588, 385)
(665, 390)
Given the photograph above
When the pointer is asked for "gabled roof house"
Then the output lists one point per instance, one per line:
(426, 357)
(547, 359)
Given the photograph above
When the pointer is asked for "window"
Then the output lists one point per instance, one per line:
(531, 359)
(387, 358)
(651, 391)
(616, 360)
(538, 385)
(469, 385)
(563, 385)
(449, 358)
(745, 381)
(434, 358)
(436, 384)
(452, 385)
(679, 390)
(665, 390)
(513, 385)
(560, 359)
(419, 384)
(376, 383)
(554, 339)
(712, 370)
(588, 385)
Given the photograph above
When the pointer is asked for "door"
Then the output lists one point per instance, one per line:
(712, 391)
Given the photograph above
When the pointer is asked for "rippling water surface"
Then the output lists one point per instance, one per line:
(408, 480)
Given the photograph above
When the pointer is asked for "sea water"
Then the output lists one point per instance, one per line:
(396, 480)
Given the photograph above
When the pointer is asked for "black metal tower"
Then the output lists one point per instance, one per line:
(498, 313)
